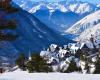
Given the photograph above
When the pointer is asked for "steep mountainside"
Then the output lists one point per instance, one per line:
(83, 29)
(33, 36)
(87, 22)
(86, 35)
(57, 20)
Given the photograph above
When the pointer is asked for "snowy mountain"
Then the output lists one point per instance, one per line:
(89, 25)
(87, 22)
(86, 35)
(58, 15)
(63, 6)
(33, 36)
(57, 20)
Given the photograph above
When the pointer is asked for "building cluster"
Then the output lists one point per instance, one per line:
(60, 57)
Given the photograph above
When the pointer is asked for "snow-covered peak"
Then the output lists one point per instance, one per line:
(87, 22)
(34, 9)
(49, 6)
(85, 7)
(81, 7)
(64, 6)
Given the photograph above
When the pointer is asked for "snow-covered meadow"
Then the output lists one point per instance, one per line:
(23, 75)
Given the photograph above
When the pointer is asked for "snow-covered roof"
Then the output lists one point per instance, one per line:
(53, 45)
(74, 47)
(44, 53)
(62, 51)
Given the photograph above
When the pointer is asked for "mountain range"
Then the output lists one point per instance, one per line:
(33, 36)
(45, 23)
(59, 15)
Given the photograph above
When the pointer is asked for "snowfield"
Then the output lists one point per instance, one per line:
(23, 75)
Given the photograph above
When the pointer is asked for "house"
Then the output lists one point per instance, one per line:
(78, 48)
(74, 47)
(62, 53)
(53, 47)
(84, 47)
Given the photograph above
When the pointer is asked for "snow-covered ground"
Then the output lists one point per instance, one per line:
(23, 75)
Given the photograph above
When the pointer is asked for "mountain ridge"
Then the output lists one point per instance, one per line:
(59, 15)
(33, 36)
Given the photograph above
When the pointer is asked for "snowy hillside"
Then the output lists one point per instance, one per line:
(23, 75)
(95, 31)
(87, 22)
(84, 26)
(83, 29)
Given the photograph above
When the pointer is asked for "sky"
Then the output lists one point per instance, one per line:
(91, 1)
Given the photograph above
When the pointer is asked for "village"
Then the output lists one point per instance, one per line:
(74, 57)
(81, 53)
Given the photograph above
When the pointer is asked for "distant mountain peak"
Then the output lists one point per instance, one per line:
(64, 6)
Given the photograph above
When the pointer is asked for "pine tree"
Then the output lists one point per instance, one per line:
(72, 67)
(38, 64)
(6, 5)
(7, 24)
(30, 66)
(97, 64)
(21, 61)
(82, 57)
(7, 36)
(99, 49)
